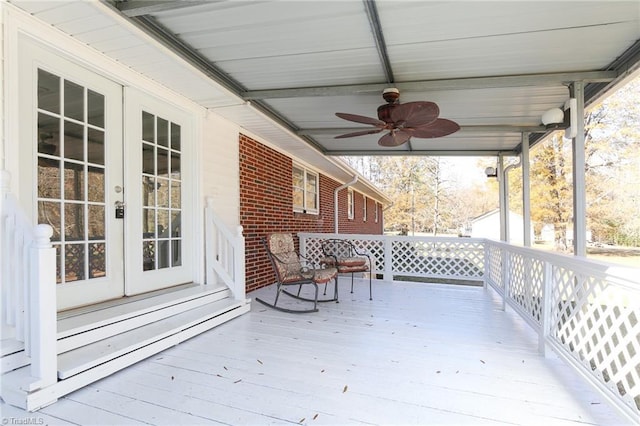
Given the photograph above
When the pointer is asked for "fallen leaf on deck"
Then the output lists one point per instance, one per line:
(224, 367)
(438, 372)
(457, 371)
(172, 377)
(259, 361)
(315, 417)
(482, 362)
(238, 381)
(302, 420)
(345, 388)
(322, 371)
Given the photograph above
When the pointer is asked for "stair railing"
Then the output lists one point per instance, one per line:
(225, 257)
(28, 285)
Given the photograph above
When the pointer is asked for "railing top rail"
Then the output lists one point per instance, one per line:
(392, 237)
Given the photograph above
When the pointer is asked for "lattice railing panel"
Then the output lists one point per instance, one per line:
(494, 266)
(438, 258)
(526, 277)
(597, 323)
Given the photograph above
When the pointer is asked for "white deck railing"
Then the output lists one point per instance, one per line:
(588, 312)
(224, 253)
(28, 283)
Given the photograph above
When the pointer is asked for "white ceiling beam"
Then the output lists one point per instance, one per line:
(524, 80)
(133, 8)
(463, 129)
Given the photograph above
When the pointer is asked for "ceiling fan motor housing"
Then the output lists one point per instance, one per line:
(392, 96)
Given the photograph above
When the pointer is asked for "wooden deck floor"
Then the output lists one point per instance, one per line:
(417, 354)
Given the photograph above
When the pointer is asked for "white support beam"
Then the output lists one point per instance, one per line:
(504, 214)
(579, 182)
(523, 80)
(526, 190)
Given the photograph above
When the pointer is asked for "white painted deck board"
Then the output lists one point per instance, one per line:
(416, 354)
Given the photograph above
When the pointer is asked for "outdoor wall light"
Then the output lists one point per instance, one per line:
(553, 118)
(491, 172)
(557, 118)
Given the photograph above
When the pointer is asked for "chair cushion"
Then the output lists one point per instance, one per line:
(322, 276)
(348, 269)
(280, 243)
(352, 261)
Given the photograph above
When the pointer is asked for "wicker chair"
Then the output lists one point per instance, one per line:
(344, 256)
(292, 269)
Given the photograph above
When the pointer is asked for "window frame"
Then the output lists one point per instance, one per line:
(350, 204)
(305, 193)
(364, 208)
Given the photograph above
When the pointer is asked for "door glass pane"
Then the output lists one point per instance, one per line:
(74, 222)
(148, 127)
(48, 178)
(148, 191)
(73, 181)
(163, 132)
(95, 146)
(71, 194)
(49, 213)
(175, 136)
(73, 101)
(95, 108)
(48, 92)
(73, 141)
(97, 260)
(148, 256)
(161, 193)
(96, 223)
(74, 262)
(163, 162)
(96, 184)
(148, 159)
(48, 134)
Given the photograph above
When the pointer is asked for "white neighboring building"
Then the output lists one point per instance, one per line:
(487, 225)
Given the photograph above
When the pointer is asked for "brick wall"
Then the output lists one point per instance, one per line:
(266, 205)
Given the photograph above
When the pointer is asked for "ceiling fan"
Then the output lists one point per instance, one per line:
(403, 121)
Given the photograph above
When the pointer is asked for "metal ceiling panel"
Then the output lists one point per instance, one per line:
(494, 60)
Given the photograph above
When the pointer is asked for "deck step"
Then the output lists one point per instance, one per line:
(81, 330)
(83, 326)
(86, 357)
(85, 365)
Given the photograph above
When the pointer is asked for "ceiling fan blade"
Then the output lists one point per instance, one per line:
(360, 119)
(440, 127)
(360, 133)
(415, 114)
(394, 138)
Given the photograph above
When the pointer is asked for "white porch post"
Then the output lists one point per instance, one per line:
(43, 319)
(240, 292)
(526, 190)
(579, 184)
(501, 195)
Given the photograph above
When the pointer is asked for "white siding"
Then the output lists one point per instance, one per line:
(220, 167)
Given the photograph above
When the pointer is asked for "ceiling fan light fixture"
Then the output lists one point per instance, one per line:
(391, 94)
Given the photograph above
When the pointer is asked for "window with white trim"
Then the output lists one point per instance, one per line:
(350, 205)
(305, 190)
(375, 212)
(364, 208)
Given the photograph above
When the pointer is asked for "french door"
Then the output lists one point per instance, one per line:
(104, 166)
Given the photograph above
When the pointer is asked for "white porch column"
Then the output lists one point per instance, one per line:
(579, 184)
(526, 190)
(504, 233)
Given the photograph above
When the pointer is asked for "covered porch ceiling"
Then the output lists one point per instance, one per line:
(281, 69)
